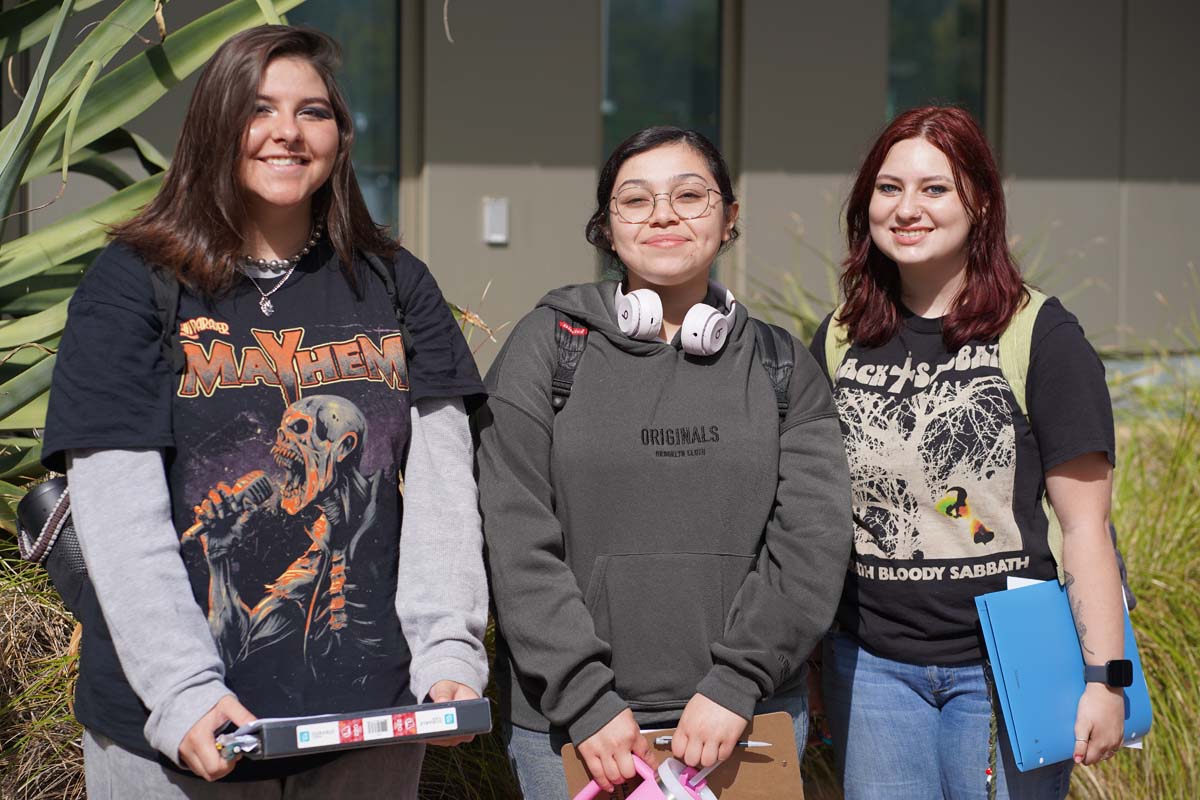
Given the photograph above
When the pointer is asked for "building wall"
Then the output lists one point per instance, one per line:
(811, 103)
(1095, 134)
(1160, 249)
(510, 109)
(1103, 175)
(1096, 145)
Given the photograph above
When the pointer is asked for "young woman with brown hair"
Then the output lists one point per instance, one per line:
(215, 602)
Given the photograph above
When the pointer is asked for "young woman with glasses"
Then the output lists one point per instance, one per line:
(949, 476)
(665, 549)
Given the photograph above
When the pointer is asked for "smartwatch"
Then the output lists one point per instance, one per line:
(1117, 673)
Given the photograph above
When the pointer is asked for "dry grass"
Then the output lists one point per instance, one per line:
(1155, 508)
(40, 755)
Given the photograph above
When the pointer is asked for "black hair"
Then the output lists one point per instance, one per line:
(597, 229)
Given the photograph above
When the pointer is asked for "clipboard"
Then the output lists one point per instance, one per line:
(291, 736)
(752, 773)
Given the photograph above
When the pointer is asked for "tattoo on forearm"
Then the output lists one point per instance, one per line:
(1077, 614)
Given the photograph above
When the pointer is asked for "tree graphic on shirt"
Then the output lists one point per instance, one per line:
(906, 454)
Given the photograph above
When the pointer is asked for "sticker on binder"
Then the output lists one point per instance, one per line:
(404, 724)
(375, 728)
(350, 730)
(320, 734)
(437, 720)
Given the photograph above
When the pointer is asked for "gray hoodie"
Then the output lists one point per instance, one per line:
(664, 534)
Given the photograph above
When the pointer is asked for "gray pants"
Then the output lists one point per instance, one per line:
(114, 773)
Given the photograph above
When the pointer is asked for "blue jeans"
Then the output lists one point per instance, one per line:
(537, 761)
(920, 733)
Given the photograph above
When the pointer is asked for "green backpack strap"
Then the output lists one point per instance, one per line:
(1016, 344)
(837, 344)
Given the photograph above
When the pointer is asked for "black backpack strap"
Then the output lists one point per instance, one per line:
(570, 340)
(778, 356)
(166, 304)
(383, 271)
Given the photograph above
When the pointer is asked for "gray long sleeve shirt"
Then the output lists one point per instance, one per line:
(162, 637)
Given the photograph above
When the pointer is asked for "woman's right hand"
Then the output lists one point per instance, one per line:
(608, 753)
(198, 750)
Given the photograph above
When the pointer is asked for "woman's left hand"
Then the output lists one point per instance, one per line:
(707, 733)
(1099, 724)
(445, 692)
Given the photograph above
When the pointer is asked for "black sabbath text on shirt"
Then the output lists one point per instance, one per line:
(969, 357)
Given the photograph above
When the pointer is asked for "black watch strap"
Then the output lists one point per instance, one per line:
(1117, 673)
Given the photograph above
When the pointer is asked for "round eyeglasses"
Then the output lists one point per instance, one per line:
(635, 204)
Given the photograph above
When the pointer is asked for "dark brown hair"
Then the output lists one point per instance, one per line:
(992, 290)
(193, 225)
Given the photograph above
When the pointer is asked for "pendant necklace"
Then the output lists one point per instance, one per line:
(274, 264)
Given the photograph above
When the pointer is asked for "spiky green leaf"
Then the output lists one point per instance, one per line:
(72, 237)
(269, 13)
(21, 136)
(34, 328)
(27, 385)
(102, 169)
(147, 154)
(85, 85)
(23, 26)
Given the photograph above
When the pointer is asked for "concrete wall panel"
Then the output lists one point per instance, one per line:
(814, 83)
(1162, 90)
(1062, 97)
(1162, 263)
(548, 209)
(512, 109)
(1067, 237)
(791, 225)
(519, 85)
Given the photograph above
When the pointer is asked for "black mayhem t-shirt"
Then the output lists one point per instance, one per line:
(948, 476)
(309, 405)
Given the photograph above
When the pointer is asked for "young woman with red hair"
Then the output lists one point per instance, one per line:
(948, 475)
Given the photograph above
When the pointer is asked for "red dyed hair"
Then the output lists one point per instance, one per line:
(992, 290)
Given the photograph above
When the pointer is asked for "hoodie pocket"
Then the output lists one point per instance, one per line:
(659, 612)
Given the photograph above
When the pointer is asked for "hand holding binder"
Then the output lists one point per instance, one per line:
(1038, 672)
(273, 738)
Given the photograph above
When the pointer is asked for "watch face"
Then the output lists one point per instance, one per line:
(1120, 673)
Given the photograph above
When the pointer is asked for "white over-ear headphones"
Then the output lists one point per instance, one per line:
(704, 329)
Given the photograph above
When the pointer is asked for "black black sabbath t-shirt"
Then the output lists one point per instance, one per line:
(306, 412)
(948, 475)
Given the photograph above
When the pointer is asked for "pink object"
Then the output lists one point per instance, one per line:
(674, 776)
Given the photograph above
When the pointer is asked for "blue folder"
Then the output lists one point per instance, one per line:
(1038, 671)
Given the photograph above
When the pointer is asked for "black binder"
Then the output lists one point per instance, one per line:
(290, 736)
